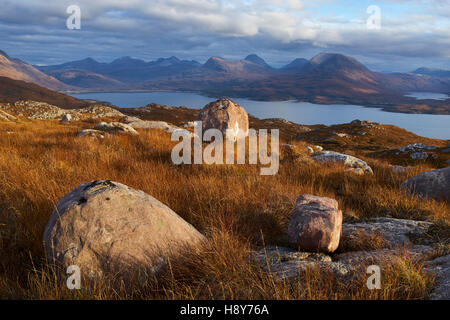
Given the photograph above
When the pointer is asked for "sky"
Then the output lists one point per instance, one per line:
(411, 33)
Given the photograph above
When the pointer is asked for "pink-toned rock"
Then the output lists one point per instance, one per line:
(105, 226)
(225, 115)
(316, 224)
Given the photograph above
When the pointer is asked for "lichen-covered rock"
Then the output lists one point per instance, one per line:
(347, 160)
(92, 133)
(316, 224)
(225, 115)
(105, 226)
(44, 111)
(395, 232)
(137, 123)
(116, 127)
(289, 263)
(433, 184)
(356, 259)
(441, 268)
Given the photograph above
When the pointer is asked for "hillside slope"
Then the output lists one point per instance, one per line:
(18, 70)
(15, 90)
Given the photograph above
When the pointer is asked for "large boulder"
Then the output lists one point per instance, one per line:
(105, 226)
(433, 184)
(224, 114)
(316, 224)
(349, 161)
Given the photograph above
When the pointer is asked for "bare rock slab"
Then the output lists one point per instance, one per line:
(105, 226)
(347, 160)
(288, 263)
(116, 127)
(316, 224)
(395, 232)
(441, 268)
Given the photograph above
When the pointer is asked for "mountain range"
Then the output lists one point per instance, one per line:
(326, 78)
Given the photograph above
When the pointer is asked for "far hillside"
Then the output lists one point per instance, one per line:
(15, 90)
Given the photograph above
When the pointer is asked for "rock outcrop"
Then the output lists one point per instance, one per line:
(316, 224)
(45, 111)
(225, 115)
(92, 133)
(395, 232)
(116, 127)
(433, 184)
(289, 263)
(349, 161)
(441, 268)
(105, 226)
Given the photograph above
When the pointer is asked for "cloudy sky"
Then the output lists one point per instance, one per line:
(413, 33)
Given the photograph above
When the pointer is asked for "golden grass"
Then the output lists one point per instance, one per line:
(233, 205)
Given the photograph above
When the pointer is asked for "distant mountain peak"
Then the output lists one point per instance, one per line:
(324, 56)
(3, 53)
(89, 59)
(257, 60)
(433, 72)
(296, 64)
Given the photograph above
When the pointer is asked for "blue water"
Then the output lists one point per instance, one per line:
(427, 125)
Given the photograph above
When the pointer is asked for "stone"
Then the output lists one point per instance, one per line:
(419, 155)
(440, 267)
(433, 184)
(341, 135)
(355, 259)
(92, 133)
(116, 127)
(316, 224)
(66, 118)
(395, 232)
(225, 115)
(347, 160)
(137, 123)
(129, 119)
(287, 263)
(416, 147)
(45, 111)
(105, 226)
